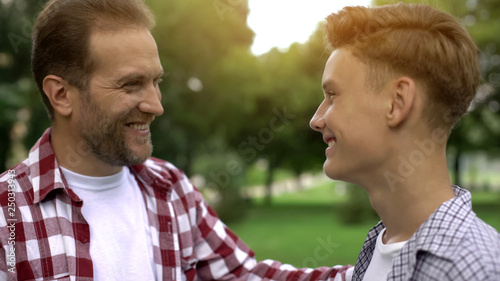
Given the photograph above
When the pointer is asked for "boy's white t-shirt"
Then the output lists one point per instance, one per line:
(382, 258)
(120, 235)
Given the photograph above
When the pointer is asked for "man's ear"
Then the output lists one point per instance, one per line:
(403, 94)
(58, 92)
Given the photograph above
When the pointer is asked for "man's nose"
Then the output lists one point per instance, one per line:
(152, 101)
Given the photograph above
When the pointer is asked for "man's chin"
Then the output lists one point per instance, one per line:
(127, 157)
(139, 156)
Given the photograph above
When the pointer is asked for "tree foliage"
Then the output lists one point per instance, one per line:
(17, 88)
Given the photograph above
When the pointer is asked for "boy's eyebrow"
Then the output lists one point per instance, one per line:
(328, 86)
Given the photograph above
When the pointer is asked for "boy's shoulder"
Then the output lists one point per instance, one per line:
(454, 228)
(474, 257)
(480, 244)
(456, 244)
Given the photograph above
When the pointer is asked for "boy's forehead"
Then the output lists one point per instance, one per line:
(341, 65)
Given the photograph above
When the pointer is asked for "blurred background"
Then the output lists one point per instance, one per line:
(237, 113)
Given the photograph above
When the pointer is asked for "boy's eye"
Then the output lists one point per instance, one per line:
(330, 97)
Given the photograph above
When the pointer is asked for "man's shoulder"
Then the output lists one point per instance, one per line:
(21, 169)
(160, 168)
(39, 161)
(161, 173)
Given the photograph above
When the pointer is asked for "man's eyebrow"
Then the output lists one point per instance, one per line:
(138, 76)
(160, 73)
(131, 76)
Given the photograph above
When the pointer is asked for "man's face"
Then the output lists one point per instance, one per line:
(123, 97)
(350, 118)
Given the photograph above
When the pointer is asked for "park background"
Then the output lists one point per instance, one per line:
(237, 124)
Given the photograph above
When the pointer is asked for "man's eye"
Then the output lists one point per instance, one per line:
(158, 81)
(131, 84)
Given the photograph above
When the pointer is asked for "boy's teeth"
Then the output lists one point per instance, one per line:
(331, 143)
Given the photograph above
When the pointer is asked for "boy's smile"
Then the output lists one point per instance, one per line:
(350, 119)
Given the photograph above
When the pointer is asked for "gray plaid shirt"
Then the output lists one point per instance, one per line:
(452, 244)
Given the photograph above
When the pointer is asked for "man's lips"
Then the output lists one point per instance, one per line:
(141, 124)
(138, 126)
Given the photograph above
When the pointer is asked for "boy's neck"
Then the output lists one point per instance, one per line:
(404, 206)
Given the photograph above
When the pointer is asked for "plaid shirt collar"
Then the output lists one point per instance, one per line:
(448, 233)
(436, 235)
(47, 177)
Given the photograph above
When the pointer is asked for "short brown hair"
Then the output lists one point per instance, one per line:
(416, 40)
(61, 36)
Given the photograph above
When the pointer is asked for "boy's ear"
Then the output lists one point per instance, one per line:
(402, 101)
(57, 91)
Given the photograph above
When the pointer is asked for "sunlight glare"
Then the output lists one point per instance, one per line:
(279, 23)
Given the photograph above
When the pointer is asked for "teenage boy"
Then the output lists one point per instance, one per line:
(397, 81)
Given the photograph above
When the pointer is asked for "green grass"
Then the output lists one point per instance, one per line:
(302, 228)
(323, 194)
(297, 234)
(487, 207)
(256, 175)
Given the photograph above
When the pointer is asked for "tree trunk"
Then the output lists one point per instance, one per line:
(298, 180)
(457, 168)
(5, 146)
(269, 182)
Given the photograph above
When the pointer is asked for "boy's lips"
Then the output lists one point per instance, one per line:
(330, 140)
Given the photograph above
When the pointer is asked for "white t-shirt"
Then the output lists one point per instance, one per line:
(120, 235)
(382, 258)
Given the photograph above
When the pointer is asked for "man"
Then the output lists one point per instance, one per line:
(89, 203)
(398, 79)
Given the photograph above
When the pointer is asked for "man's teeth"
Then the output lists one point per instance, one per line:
(138, 126)
(331, 143)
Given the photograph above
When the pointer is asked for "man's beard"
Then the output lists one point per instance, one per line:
(105, 139)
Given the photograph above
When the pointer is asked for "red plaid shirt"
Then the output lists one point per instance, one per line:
(45, 236)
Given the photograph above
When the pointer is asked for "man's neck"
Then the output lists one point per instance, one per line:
(74, 155)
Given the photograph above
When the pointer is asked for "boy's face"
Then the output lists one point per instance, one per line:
(351, 119)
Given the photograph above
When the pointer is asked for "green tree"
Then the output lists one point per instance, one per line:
(17, 88)
(192, 38)
(292, 85)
